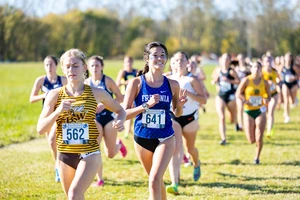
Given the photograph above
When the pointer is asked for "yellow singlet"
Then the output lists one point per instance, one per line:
(255, 94)
(76, 128)
(271, 78)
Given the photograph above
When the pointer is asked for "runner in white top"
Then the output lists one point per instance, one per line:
(187, 124)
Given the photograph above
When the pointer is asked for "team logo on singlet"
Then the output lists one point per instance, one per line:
(270, 77)
(256, 91)
(76, 113)
(162, 98)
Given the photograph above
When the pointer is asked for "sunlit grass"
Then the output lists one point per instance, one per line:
(27, 168)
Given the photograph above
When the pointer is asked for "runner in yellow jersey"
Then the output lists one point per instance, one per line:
(254, 91)
(271, 76)
(73, 108)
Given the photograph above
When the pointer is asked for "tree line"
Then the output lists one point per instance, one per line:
(192, 26)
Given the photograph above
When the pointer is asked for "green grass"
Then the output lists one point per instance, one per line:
(27, 168)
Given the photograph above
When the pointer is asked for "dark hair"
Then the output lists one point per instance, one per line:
(95, 57)
(86, 74)
(55, 60)
(234, 62)
(146, 55)
(99, 58)
(258, 63)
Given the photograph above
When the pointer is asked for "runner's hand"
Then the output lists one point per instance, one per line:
(182, 98)
(153, 100)
(65, 105)
(118, 124)
(100, 107)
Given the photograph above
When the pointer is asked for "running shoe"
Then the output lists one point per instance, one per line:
(286, 119)
(186, 161)
(197, 172)
(123, 149)
(223, 142)
(256, 161)
(57, 178)
(99, 183)
(270, 133)
(172, 189)
(188, 164)
(237, 128)
(293, 105)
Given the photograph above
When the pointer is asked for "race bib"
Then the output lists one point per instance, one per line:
(289, 78)
(272, 87)
(75, 133)
(255, 100)
(263, 109)
(225, 86)
(154, 118)
(231, 97)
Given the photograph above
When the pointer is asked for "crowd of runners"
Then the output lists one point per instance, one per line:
(85, 105)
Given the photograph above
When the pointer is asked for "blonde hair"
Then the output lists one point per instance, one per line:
(77, 53)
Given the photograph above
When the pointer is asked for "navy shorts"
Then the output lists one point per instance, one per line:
(185, 120)
(104, 117)
(150, 144)
(227, 97)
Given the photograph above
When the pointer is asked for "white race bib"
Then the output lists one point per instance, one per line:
(225, 86)
(154, 118)
(289, 78)
(255, 100)
(263, 109)
(272, 87)
(75, 133)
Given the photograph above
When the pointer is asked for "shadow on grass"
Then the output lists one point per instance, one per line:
(232, 137)
(282, 144)
(291, 127)
(127, 183)
(293, 163)
(126, 161)
(249, 178)
(255, 188)
(194, 194)
(233, 162)
(239, 162)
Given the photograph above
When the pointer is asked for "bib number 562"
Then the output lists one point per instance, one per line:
(75, 134)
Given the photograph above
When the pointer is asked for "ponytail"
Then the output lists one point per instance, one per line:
(143, 71)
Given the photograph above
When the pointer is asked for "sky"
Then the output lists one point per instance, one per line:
(43, 7)
(159, 8)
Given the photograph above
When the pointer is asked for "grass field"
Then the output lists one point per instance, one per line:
(27, 168)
